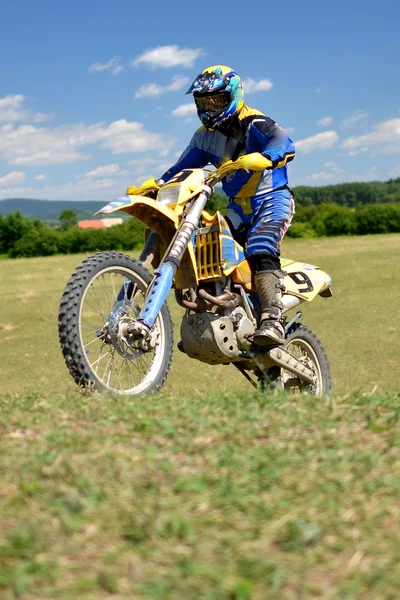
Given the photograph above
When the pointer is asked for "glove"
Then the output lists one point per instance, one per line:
(131, 190)
(253, 162)
(147, 186)
(250, 162)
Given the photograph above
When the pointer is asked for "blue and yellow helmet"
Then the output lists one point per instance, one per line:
(218, 93)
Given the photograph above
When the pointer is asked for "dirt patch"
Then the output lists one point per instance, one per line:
(29, 276)
(25, 296)
(7, 326)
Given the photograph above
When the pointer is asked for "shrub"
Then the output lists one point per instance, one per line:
(39, 241)
(378, 218)
(301, 230)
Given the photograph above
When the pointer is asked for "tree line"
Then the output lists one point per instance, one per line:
(350, 194)
(24, 237)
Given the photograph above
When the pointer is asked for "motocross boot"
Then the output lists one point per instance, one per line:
(269, 286)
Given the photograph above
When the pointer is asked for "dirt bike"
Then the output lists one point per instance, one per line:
(115, 327)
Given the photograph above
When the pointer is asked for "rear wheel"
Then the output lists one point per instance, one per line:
(304, 345)
(105, 293)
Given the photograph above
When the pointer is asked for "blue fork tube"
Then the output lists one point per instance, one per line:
(158, 293)
(164, 275)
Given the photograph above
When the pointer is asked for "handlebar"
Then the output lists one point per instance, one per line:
(248, 162)
(254, 162)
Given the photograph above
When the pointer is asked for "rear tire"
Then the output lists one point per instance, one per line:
(110, 362)
(305, 346)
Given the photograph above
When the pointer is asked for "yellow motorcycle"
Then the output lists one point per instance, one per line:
(114, 323)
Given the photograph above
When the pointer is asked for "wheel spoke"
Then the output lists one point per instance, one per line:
(96, 362)
(100, 310)
(92, 342)
(112, 277)
(106, 291)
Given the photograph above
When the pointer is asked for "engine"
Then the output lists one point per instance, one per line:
(214, 338)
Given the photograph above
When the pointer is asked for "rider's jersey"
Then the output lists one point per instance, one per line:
(252, 132)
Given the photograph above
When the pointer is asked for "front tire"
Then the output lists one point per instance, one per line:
(95, 354)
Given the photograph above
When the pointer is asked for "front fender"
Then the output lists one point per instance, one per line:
(143, 208)
(164, 222)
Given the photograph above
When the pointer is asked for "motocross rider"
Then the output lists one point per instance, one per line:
(261, 204)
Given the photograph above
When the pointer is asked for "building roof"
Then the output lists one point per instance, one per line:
(100, 223)
(91, 224)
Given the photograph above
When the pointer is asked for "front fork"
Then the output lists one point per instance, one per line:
(163, 276)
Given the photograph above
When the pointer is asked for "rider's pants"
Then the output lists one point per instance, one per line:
(262, 221)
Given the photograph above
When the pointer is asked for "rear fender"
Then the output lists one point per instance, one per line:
(164, 222)
(305, 281)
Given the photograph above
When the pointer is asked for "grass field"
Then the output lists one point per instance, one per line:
(359, 326)
(208, 489)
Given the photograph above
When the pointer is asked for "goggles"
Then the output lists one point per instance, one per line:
(212, 104)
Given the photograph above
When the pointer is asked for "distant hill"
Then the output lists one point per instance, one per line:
(49, 210)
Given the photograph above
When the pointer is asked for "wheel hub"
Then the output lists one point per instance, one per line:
(116, 328)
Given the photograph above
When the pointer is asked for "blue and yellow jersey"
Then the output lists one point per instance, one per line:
(252, 132)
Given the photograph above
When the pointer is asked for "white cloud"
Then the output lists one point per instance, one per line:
(250, 86)
(154, 89)
(183, 110)
(40, 117)
(30, 145)
(330, 164)
(12, 109)
(40, 177)
(395, 172)
(149, 166)
(322, 175)
(145, 160)
(177, 83)
(13, 178)
(16, 193)
(103, 171)
(325, 122)
(122, 137)
(111, 65)
(102, 184)
(317, 142)
(355, 118)
(168, 56)
(385, 136)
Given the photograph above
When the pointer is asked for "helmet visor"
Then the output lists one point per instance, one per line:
(212, 104)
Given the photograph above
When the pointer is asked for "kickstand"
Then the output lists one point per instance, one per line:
(245, 374)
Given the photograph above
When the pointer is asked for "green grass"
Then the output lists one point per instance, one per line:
(228, 496)
(208, 489)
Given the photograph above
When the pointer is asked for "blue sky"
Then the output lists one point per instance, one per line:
(92, 93)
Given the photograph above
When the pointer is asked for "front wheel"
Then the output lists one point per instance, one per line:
(304, 345)
(106, 290)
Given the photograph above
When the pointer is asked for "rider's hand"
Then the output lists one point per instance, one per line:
(148, 185)
(253, 162)
(249, 162)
